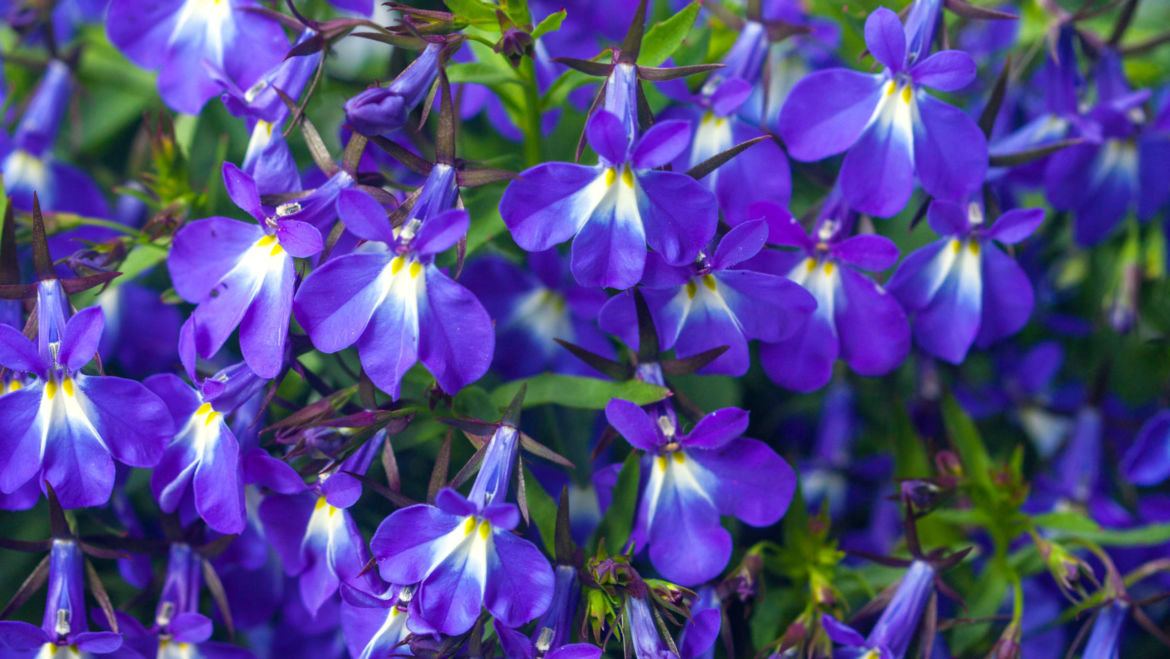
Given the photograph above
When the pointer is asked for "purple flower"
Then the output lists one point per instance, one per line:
(240, 274)
(28, 164)
(376, 626)
(462, 555)
(716, 301)
(615, 208)
(532, 307)
(64, 625)
(200, 469)
(692, 479)
(644, 635)
(310, 527)
(1105, 637)
(963, 289)
(891, 635)
(65, 428)
(855, 318)
(1147, 462)
(382, 110)
(390, 298)
(891, 128)
(190, 41)
(551, 638)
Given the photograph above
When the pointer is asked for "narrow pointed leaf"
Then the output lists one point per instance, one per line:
(716, 161)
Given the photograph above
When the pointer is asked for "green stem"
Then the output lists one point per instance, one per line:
(531, 114)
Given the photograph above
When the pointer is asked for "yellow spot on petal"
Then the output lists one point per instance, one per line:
(276, 250)
(679, 457)
(203, 409)
(906, 91)
(266, 126)
(810, 264)
(396, 265)
(485, 529)
(610, 177)
(891, 86)
(828, 267)
(266, 241)
(469, 526)
(321, 503)
(211, 418)
(709, 282)
(974, 247)
(661, 462)
(14, 385)
(67, 386)
(51, 388)
(628, 177)
(415, 268)
(956, 246)
(691, 289)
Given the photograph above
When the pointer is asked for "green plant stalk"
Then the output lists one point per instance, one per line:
(531, 126)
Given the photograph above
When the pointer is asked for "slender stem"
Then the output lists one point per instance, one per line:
(531, 126)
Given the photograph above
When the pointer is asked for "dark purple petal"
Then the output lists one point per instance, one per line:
(300, 239)
(547, 206)
(18, 353)
(337, 300)
(98, 642)
(21, 636)
(285, 518)
(874, 331)
(717, 429)
(748, 480)
(827, 111)
(608, 137)
(947, 218)
(680, 215)
(946, 70)
(664, 142)
(783, 227)
(634, 424)
(867, 251)
(1147, 462)
(950, 152)
(885, 39)
(740, 244)
(519, 582)
(441, 232)
(767, 307)
(1016, 225)
(133, 422)
(82, 335)
(242, 190)
(364, 217)
(1007, 296)
(20, 457)
(267, 471)
(804, 361)
(405, 543)
(840, 633)
(456, 337)
(731, 94)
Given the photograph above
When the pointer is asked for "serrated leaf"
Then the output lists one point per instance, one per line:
(543, 511)
(551, 23)
(665, 37)
(579, 392)
(618, 520)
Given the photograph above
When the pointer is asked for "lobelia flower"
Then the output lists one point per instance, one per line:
(65, 428)
(891, 128)
(28, 164)
(383, 110)
(855, 319)
(179, 630)
(239, 274)
(532, 307)
(200, 470)
(694, 478)
(190, 42)
(63, 630)
(1120, 164)
(390, 298)
(891, 635)
(462, 554)
(697, 639)
(376, 626)
(718, 300)
(310, 527)
(963, 289)
(268, 159)
(1105, 637)
(644, 635)
(1147, 461)
(615, 208)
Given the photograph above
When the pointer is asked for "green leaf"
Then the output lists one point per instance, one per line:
(474, 10)
(575, 391)
(965, 437)
(910, 459)
(551, 23)
(1143, 536)
(664, 38)
(481, 73)
(615, 526)
(141, 258)
(542, 509)
(517, 10)
(1068, 521)
(558, 92)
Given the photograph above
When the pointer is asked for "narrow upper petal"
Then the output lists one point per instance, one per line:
(885, 39)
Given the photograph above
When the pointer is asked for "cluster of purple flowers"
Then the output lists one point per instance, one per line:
(733, 250)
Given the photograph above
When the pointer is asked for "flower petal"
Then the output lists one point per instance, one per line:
(950, 152)
(519, 580)
(946, 70)
(550, 203)
(456, 337)
(634, 424)
(885, 39)
(661, 144)
(827, 111)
